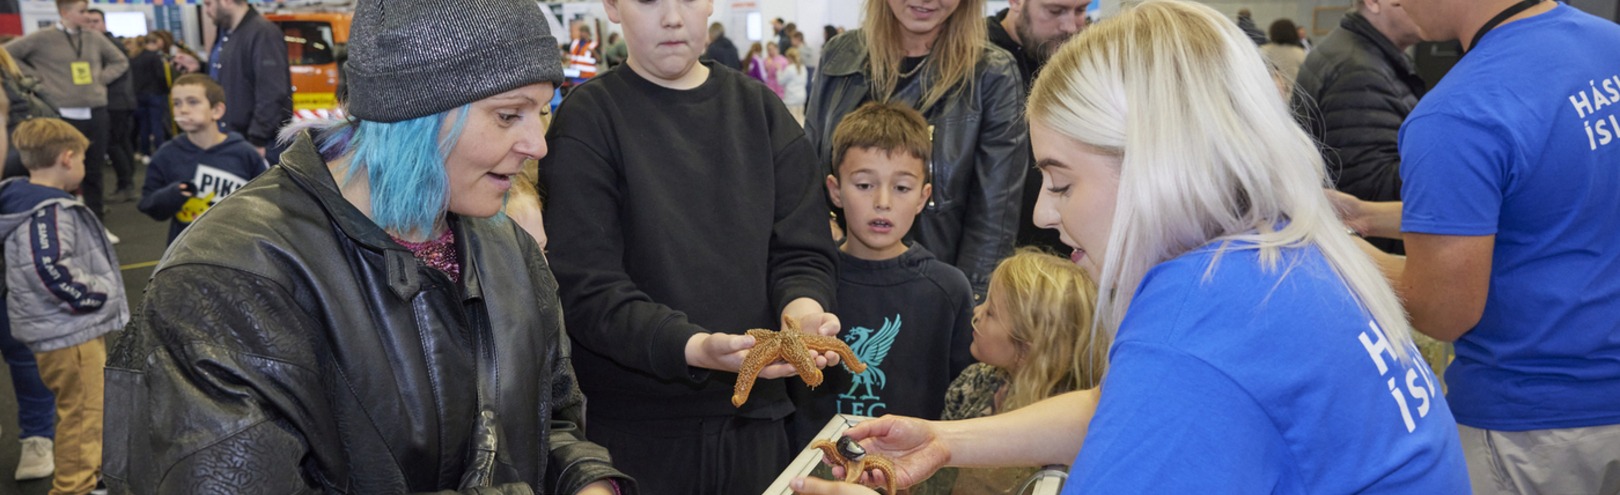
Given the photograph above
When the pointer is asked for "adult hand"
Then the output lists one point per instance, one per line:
(1368, 219)
(817, 486)
(260, 150)
(913, 445)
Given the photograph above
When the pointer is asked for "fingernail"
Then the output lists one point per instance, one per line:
(796, 484)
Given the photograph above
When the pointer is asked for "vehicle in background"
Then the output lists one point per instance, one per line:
(316, 48)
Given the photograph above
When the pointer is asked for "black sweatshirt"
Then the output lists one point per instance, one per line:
(910, 319)
(676, 212)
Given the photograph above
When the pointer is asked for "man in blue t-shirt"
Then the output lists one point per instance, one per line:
(1510, 167)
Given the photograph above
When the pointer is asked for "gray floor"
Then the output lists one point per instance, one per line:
(142, 244)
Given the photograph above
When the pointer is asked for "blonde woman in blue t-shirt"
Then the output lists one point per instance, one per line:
(1255, 348)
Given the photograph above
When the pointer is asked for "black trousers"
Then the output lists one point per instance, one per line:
(95, 160)
(696, 456)
(121, 146)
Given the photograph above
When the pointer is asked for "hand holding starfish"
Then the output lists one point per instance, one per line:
(794, 346)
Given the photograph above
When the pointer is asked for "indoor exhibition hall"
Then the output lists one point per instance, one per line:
(824, 247)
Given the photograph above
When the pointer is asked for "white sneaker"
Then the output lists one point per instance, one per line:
(37, 459)
(112, 238)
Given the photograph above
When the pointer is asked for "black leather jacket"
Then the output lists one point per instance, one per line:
(1354, 91)
(981, 150)
(287, 345)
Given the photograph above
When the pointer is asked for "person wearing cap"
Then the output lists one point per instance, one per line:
(364, 322)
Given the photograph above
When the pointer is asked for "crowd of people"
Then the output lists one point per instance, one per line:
(1116, 249)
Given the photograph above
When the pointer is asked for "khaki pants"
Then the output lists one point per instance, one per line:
(1584, 461)
(75, 375)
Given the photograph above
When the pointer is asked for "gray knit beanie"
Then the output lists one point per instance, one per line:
(414, 58)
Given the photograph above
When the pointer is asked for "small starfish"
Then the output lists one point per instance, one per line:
(793, 346)
(855, 461)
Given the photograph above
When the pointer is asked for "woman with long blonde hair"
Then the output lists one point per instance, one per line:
(932, 55)
(1254, 348)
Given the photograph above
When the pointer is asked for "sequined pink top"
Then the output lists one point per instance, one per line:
(438, 253)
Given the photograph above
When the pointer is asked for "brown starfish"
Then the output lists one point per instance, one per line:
(793, 346)
(855, 461)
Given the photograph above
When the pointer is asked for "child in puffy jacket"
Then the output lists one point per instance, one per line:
(63, 289)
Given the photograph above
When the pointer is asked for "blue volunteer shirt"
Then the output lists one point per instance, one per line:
(1263, 381)
(1521, 140)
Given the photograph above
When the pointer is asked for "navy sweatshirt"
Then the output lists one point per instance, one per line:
(212, 173)
(910, 319)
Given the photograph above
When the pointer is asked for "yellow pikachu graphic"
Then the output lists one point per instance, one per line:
(194, 208)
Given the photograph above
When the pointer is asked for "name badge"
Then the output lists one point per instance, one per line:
(81, 74)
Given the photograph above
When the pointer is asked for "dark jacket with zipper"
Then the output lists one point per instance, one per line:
(288, 345)
(981, 150)
(1354, 91)
(256, 77)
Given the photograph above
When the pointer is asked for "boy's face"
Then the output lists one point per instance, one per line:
(881, 194)
(192, 113)
(74, 15)
(665, 37)
(74, 161)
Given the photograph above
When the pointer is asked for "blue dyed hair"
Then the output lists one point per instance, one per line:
(404, 163)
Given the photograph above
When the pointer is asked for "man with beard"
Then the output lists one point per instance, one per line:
(249, 59)
(1033, 30)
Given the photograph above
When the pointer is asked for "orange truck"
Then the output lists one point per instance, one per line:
(316, 49)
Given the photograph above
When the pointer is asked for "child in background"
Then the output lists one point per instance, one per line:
(189, 174)
(794, 82)
(684, 207)
(1031, 339)
(63, 290)
(908, 314)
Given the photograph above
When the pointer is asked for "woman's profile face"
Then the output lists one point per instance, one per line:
(922, 17)
(1079, 188)
(500, 133)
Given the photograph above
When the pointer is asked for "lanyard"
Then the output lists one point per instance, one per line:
(1497, 21)
(78, 48)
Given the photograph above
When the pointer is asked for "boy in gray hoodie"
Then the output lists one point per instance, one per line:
(63, 289)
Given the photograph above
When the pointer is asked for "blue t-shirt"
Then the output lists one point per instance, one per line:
(1262, 380)
(1522, 140)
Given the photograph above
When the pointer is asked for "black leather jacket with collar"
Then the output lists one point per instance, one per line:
(287, 345)
(981, 150)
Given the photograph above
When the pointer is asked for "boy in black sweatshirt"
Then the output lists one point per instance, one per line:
(909, 315)
(684, 209)
(188, 175)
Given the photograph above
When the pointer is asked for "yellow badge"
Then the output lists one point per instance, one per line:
(81, 73)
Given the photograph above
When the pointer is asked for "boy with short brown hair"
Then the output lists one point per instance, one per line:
(63, 290)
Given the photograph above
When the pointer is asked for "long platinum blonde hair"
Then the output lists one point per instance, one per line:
(1208, 153)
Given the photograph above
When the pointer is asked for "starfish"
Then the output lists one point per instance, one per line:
(855, 461)
(793, 346)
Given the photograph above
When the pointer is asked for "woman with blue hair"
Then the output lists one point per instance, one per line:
(360, 319)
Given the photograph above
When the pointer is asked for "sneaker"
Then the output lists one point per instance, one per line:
(113, 238)
(37, 460)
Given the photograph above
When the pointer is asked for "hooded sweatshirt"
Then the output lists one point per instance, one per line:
(63, 287)
(909, 319)
(212, 173)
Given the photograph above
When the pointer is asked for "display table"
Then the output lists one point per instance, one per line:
(946, 481)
